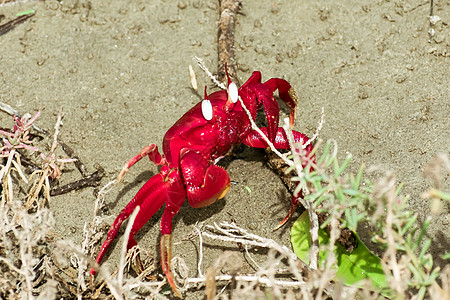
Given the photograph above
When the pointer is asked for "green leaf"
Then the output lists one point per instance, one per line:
(351, 267)
(26, 12)
(446, 256)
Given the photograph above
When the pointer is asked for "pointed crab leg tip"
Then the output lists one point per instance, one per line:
(278, 226)
(233, 94)
(282, 222)
(166, 258)
(177, 294)
(121, 174)
(207, 110)
(288, 216)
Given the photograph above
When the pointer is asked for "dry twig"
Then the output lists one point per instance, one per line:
(10, 25)
(50, 169)
(225, 42)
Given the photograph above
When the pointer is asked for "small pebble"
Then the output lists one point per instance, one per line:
(258, 23)
(439, 38)
(123, 10)
(279, 57)
(53, 5)
(362, 93)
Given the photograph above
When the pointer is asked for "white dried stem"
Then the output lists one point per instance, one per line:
(20, 234)
(6, 168)
(89, 241)
(319, 127)
(55, 135)
(18, 168)
(251, 278)
(112, 284)
(202, 66)
(201, 252)
(251, 258)
(99, 202)
(230, 232)
(123, 252)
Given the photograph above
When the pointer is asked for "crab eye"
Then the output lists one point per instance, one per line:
(233, 92)
(207, 110)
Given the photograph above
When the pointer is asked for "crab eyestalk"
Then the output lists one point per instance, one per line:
(207, 110)
(232, 91)
(233, 94)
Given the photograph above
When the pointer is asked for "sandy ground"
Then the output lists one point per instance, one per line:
(120, 71)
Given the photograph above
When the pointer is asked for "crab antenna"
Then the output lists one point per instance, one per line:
(206, 95)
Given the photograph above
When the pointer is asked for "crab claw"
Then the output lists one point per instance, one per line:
(166, 261)
(287, 95)
(205, 183)
(271, 110)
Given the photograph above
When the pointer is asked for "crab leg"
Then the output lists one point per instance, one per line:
(176, 197)
(280, 142)
(263, 93)
(255, 78)
(153, 154)
(150, 198)
(294, 204)
(271, 109)
(256, 141)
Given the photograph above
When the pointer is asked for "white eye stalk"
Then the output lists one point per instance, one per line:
(207, 110)
(233, 92)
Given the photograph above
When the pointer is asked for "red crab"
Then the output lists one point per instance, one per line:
(193, 146)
